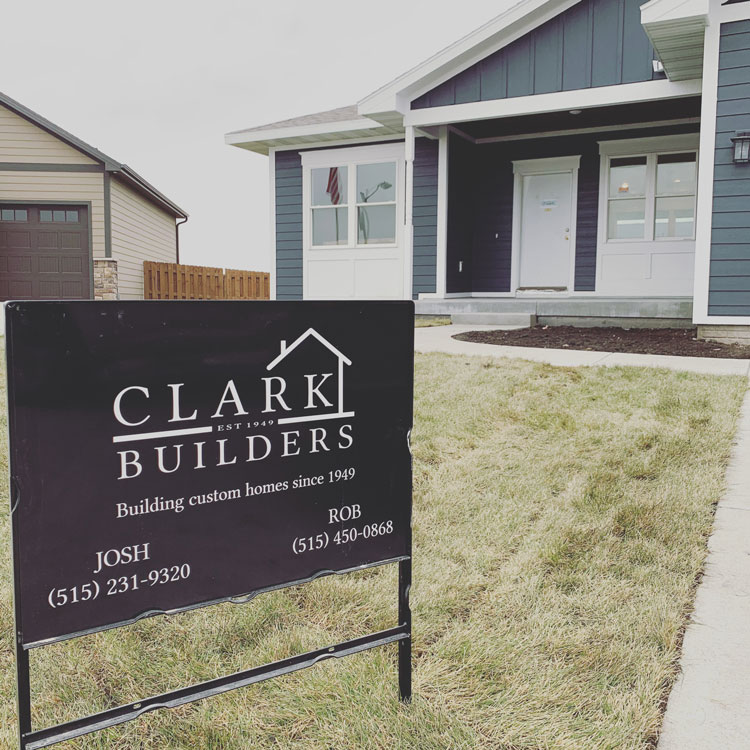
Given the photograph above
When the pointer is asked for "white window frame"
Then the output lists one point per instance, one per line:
(361, 154)
(651, 148)
(351, 159)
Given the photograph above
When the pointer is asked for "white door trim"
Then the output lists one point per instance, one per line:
(523, 168)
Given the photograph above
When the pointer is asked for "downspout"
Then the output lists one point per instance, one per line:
(177, 226)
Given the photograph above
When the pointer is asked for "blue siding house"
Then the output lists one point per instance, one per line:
(582, 161)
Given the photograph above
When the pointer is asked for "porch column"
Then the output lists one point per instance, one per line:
(442, 212)
(705, 192)
(408, 213)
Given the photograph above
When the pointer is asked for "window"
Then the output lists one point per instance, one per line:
(329, 206)
(14, 214)
(49, 215)
(376, 204)
(352, 203)
(651, 197)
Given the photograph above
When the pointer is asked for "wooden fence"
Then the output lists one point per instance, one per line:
(178, 281)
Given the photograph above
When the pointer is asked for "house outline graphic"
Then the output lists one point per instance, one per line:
(342, 360)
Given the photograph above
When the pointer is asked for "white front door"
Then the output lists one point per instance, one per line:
(546, 224)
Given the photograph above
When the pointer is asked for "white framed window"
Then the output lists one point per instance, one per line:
(649, 189)
(351, 197)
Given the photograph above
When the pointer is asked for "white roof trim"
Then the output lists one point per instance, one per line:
(494, 35)
(301, 131)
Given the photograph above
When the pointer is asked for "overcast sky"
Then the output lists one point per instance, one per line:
(157, 84)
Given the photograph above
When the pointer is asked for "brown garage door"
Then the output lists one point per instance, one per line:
(44, 252)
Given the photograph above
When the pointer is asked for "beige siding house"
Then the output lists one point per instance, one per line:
(74, 223)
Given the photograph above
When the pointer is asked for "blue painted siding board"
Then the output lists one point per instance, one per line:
(594, 43)
(731, 235)
(730, 203)
(733, 267)
(738, 91)
(733, 75)
(288, 195)
(733, 107)
(732, 187)
(729, 284)
(424, 215)
(607, 53)
(637, 53)
(577, 43)
(738, 27)
(732, 219)
(587, 221)
(737, 310)
(519, 62)
(548, 57)
(733, 59)
(493, 77)
(739, 251)
(732, 42)
(467, 86)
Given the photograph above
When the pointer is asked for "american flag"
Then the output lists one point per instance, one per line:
(333, 186)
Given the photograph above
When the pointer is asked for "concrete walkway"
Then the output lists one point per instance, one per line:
(709, 706)
(439, 339)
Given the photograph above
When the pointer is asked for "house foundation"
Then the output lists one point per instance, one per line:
(726, 334)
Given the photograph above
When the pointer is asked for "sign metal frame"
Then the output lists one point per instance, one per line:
(32, 739)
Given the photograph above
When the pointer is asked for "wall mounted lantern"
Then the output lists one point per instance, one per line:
(741, 143)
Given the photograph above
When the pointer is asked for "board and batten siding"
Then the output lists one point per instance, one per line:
(594, 43)
(23, 142)
(424, 214)
(63, 187)
(729, 282)
(288, 196)
(140, 231)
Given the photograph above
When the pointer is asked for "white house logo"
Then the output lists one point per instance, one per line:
(313, 390)
(235, 432)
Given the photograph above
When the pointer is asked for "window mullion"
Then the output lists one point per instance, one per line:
(351, 200)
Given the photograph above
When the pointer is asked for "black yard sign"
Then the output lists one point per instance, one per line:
(169, 455)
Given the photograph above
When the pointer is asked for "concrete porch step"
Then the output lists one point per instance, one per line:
(520, 319)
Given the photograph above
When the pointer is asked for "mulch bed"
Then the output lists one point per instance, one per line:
(680, 342)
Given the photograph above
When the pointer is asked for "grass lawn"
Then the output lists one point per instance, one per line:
(560, 525)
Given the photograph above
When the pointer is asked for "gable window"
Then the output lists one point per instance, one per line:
(351, 203)
(651, 197)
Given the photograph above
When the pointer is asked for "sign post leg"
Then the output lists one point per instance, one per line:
(404, 619)
(24, 693)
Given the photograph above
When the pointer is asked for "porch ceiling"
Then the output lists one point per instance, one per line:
(627, 114)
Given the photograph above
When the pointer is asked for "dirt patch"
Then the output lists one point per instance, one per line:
(680, 342)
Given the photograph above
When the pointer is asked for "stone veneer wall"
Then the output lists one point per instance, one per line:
(105, 278)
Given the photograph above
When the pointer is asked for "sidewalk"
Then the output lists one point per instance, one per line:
(438, 339)
(709, 705)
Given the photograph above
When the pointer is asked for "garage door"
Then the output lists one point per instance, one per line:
(44, 252)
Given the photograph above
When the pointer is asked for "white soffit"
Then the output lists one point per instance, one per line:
(311, 130)
(676, 28)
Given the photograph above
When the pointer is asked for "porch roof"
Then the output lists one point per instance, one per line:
(333, 125)
(676, 29)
